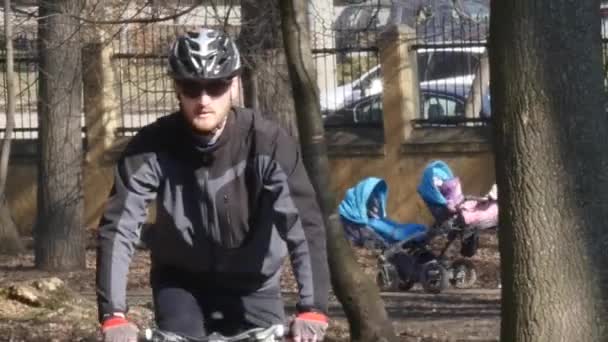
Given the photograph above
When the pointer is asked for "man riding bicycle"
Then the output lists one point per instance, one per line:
(233, 199)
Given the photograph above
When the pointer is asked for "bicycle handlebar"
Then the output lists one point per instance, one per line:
(273, 333)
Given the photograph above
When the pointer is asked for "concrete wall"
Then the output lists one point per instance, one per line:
(401, 170)
(22, 186)
(21, 192)
(400, 160)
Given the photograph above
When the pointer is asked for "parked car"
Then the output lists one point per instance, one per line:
(366, 111)
(368, 84)
(448, 97)
(433, 63)
(438, 100)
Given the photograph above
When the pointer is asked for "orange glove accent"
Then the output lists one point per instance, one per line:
(313, 316)
(113, 322)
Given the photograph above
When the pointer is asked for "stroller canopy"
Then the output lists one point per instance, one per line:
(364, 207)
(354, 206)
(436, 170)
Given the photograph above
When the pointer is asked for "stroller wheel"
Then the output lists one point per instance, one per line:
(387, 279)
(435, 277)
(406, 285)
(463, 274)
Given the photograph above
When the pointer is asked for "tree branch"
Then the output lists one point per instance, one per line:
(141, 20)
(16, 9)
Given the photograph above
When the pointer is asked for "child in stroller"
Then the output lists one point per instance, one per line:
(405, 257)
(461, 217)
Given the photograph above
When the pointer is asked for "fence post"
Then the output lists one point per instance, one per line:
(400, 83)
(100, 103)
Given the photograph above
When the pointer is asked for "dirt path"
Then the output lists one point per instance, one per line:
(454, 315)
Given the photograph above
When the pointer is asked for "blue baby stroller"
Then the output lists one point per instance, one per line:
(405, 257)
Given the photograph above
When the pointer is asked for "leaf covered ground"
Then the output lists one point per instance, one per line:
(43, 306)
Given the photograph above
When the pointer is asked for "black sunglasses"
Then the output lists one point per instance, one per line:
(193, 89)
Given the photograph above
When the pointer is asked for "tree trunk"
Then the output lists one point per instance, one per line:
(265, 78)
(551, 159)
(274, 91)
(59, 232)
(10, 242)
(358, 294)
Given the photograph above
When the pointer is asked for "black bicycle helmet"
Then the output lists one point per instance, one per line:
(204, 55)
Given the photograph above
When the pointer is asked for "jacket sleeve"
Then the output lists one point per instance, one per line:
(136, 181)
(299, 221)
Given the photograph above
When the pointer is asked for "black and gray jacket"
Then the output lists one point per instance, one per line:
(233, 210)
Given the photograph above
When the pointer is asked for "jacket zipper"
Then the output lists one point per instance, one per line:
(209, 229)
(227, 210)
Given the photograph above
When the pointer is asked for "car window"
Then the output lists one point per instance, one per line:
(366, 80)
(445, 64)
(369, 111)
(434, 107)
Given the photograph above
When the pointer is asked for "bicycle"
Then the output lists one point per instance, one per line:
(274, 333)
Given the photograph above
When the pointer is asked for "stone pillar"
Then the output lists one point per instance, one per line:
(323, 36)
(400, 84)
(101, 121)
(100, 103)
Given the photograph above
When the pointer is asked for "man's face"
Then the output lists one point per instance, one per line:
(206, 104)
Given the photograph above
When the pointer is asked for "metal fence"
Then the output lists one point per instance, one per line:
(451, 55)
(139, 62)
(144, 91)
(449, 51)
(346, 55)
(26, 79)
(347, 60)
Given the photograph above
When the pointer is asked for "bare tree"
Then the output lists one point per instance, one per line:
(10, 242)
(551, 159)
(59, 232)
(265, 76)
(358, 294)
